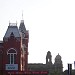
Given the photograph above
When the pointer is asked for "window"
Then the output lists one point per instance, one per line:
(12, 59)
(11, 56)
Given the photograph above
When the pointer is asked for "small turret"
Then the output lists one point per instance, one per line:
(22, 29)
(24, 45)
(49, 58)
(58, 63)
(58, 58)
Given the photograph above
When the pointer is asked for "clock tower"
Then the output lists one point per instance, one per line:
(24, 39)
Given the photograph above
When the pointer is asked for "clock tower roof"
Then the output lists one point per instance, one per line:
(22, 27)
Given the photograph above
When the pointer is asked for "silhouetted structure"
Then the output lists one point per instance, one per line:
(57, 67)
(66, 72)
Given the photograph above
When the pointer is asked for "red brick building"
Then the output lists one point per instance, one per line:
(14, 52)
(14, 49)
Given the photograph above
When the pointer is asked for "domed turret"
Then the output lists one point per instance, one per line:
(58, 57)
(58, 63)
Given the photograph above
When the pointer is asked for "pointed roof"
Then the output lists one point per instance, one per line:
(22, 27)
(12, 29)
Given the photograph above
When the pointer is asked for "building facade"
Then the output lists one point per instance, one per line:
(57, 67)
(14, 48)
(14, 54)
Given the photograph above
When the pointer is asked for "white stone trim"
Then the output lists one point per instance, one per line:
(12, 53)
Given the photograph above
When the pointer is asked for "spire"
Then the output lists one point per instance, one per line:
(22, 27)
(22, 21)
(58, 53)
(9, 22)
(22, 14)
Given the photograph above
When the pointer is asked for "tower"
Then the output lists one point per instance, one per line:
(24, 39)
(58, 64)
(49, 58)
(12, 48)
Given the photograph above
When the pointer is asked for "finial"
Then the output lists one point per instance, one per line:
(9, 22)
(16, 23)
(22, 14)
(58, 53)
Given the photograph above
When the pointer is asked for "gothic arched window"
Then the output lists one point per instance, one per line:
(11, 56)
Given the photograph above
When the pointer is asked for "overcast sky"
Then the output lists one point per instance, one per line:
(51, 25)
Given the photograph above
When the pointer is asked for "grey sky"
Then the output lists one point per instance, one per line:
(51, 25)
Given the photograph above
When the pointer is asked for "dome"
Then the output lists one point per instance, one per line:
(58, 57)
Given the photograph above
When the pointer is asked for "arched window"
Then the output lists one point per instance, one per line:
(11, 56)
